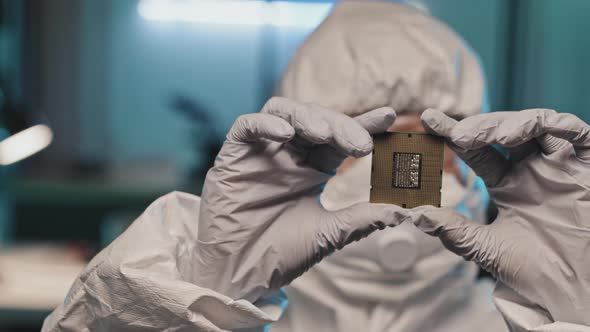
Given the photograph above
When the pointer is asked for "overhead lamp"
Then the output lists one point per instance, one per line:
(253, 12)
(27, 135)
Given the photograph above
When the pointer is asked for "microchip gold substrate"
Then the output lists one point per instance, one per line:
(407, 169)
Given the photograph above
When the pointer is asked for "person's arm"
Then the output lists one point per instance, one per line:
(143, 281)
(218, 263)
(539, 245)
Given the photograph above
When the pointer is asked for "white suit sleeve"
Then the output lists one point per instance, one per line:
(524, 316)
(144, 281)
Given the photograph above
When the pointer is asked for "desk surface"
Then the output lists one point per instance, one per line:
(34, 279)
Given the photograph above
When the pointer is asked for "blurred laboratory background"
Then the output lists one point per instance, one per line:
(126, 100)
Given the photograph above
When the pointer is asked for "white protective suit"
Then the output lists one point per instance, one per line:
(371, 54)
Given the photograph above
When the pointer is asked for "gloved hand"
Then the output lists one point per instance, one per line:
(539, 245)
(261, 224)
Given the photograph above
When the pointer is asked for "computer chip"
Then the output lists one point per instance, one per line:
(407, 169)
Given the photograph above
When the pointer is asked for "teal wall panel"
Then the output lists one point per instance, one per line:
(149, 62)
(533, 57)
(483, 25)
(552, 68)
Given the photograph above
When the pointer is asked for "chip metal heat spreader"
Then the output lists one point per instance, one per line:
(407, 169)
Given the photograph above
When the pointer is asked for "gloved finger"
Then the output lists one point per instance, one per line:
(570, 128)
(438, 123)
(360, 220)
(515, 128)
(307, 123)
(255, 127)
(468, 239)
(553, 131)
(550, 144)
(378, 120)
(486, 162)
(326, 158)
(322, 126)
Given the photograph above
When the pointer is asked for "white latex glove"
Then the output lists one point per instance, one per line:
(539, 245)
(261, 224)
(188, 263)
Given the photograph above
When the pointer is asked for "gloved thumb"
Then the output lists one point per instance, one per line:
(360, 220)
(466, 238)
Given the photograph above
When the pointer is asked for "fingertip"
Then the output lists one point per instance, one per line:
(259, 126)
(378, 120)
(428, 119)
(436, 122)
(364, 149)
(353, 139)
(390, 110)
(386, 112)
(274, 103)
(390, 116)
(285, 133)
(387, 116)
(429, 114)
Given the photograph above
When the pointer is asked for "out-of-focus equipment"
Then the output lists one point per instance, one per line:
(205, 136)
(538, 245)
(407, 169)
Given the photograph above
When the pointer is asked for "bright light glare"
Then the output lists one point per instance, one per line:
(24, 144)
(275, 13)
